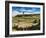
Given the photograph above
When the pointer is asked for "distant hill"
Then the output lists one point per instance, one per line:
(26, 15)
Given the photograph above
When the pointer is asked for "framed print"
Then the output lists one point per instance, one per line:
(24, 18)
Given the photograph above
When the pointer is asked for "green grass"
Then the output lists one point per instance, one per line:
(26, 19)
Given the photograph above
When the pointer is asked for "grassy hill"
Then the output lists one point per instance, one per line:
(26, 22)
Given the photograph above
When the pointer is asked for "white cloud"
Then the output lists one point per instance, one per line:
(14, 13)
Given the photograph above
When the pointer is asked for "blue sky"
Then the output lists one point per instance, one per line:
(26, 10)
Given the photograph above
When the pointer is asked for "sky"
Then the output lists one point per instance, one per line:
(26, 10)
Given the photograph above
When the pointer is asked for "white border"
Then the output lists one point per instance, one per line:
(25, 32)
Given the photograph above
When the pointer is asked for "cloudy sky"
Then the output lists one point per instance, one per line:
(26, 10)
